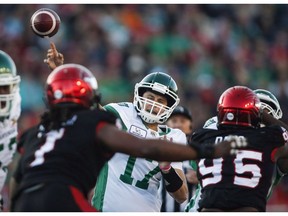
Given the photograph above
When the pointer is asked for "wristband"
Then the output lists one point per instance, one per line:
(203, 151)
(172, 180)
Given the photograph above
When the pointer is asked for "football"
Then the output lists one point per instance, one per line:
(45, 22)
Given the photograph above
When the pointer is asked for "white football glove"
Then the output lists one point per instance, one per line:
(236, 143)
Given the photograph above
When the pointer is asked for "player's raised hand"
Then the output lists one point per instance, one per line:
(54, 58)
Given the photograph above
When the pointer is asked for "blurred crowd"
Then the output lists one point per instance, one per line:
(205, 48)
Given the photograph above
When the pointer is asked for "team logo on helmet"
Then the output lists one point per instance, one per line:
(230, 116)
(58, 94)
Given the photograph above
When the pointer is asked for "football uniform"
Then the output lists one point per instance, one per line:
(8, 134)
(127, 183)
(242, 180)
(193, 205)
(61, 165)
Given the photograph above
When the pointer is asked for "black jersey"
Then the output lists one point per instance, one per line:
(242, 180)
(71, 155)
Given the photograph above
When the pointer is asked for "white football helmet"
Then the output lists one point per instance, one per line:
(8, 79)
(160, 83)
(269, 101)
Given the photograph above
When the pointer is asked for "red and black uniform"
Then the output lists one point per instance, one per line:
(59, 167)
(243, 180)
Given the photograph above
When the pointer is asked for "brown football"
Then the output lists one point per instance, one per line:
(45, 22)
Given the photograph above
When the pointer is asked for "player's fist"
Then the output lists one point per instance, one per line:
(231, 146)
(237, 142)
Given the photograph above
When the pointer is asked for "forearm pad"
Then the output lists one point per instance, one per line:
(203, 151)
(172, 180)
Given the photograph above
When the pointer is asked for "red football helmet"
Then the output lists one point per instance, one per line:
(72, 84)
(240, 106)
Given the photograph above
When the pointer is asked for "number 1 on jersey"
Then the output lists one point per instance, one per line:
(48, 146)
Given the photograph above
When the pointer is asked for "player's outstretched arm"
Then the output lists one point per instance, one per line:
(230, 146)
(163, 150)
(268, 119)
(282, 165)
(280, 155)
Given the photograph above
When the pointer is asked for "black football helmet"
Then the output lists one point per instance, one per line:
(239, 106)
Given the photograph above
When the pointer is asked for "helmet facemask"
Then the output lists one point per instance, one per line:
(239, 117)
(269, 102)
(11, 83)
(142, 103)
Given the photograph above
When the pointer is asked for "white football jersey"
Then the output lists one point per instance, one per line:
(8, 134)
(131, 184)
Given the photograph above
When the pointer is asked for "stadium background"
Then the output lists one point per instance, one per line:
(206, 48)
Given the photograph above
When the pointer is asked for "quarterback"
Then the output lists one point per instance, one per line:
(131, 178)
